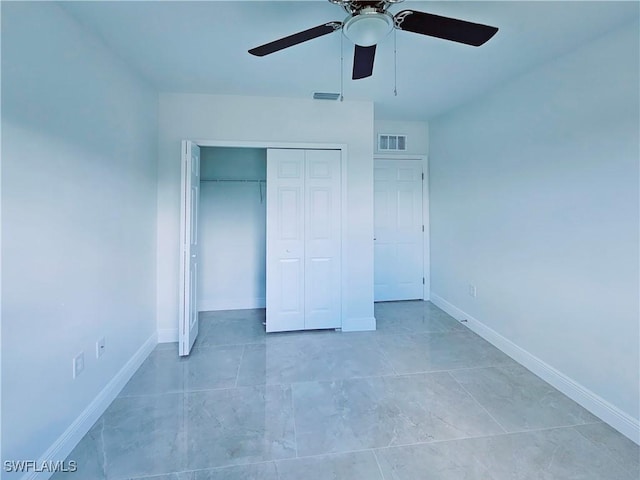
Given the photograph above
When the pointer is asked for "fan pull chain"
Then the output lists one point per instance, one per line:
(341, 67)
(395, 64)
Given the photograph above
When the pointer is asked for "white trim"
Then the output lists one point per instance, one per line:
(449, 308)
(426, 245)
(426, 255)
(208, 305)
(609, 413)
(167, 335)
(66, 442)
(362, 324)
(344, 226)
(271, 144)
(398, 156)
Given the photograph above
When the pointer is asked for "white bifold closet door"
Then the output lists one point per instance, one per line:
(303, 239)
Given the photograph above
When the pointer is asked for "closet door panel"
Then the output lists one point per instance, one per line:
(322, 296)
(285, 240)
(290, 272)
(290, 215)
(318, 299)
(383, 237)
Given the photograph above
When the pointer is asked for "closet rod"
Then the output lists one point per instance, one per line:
(232, 180)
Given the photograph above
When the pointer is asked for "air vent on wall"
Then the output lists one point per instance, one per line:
(326, 96)
(392, 143)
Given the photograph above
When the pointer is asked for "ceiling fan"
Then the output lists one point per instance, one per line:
(368, 22)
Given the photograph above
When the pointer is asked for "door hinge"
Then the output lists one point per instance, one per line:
(423, 176)
(423, 280)
(423, 228)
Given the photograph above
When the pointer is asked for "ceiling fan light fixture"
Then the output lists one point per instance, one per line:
(367, 28)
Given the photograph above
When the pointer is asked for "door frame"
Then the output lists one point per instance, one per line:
(344, 160)
(426, 247)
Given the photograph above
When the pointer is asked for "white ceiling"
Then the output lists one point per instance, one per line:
(201, 47)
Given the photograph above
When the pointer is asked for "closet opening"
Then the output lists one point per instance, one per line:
(262, 224)
(232, 229)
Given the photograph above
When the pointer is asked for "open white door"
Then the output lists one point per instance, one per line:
(190, 196)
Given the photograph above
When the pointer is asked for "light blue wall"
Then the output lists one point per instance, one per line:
(79, 156)
(269, 121)
(232, 229)
(534, 200)
(233, 163)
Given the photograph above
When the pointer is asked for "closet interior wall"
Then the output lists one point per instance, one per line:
(232, 228)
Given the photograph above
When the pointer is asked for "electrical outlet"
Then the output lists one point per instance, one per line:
(100, 344)
(78, 364)
(472, 291)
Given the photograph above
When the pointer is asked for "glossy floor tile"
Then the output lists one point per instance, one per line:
(354, 465)
(205, 369)
(426, 352)
(331, 356)
(256, 471)
(554, 454)
(382, 411)
(240, 425)
(519, 400)
(231, 327)
(623, 451)
(422, 397)
(413, 317)
(135, 436)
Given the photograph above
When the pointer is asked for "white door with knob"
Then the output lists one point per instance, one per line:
(189, 200)
(398, 230)
(303, 239)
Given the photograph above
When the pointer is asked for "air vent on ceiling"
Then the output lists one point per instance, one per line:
(326, 96)
(392, 143)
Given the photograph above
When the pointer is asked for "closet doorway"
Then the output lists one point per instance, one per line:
(224, 225)
(232, 228)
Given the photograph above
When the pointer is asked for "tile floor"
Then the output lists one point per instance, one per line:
(420, 398)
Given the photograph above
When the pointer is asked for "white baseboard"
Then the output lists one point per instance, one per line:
(211, 305)
(451, 309)
(609, 413)
(362, 324)
(167, 335)
(63, 446)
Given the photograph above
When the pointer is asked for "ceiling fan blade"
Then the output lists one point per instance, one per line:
(295, 39)
(363, 58)
(444, 27)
